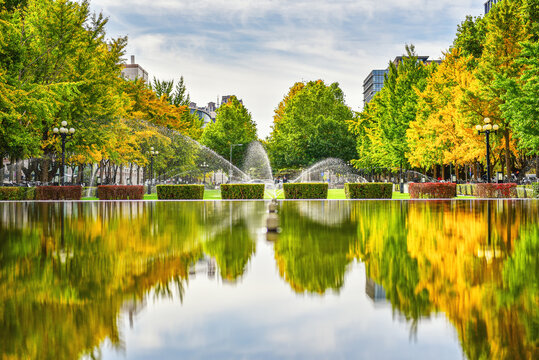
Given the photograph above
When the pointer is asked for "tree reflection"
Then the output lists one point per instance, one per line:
(62, 288)
(311, 253)
(61, 291)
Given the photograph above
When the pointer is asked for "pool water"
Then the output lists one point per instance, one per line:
(204, 280)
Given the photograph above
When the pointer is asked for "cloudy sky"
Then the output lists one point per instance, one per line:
(257, 49)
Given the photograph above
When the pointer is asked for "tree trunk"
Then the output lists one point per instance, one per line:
(80, 175)
(144, 175)
(18, 171)
(121, 174)
(101, 171)
(138, 174)
(507, 154)
(537, 166)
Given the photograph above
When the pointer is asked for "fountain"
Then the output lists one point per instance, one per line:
(187, 161)
(338, 167)
(414, 175)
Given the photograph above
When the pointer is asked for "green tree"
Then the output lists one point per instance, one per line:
(233, 125)
(471, 37)
(506, 29)
(521, 100)
(381, 127)
(310, 124)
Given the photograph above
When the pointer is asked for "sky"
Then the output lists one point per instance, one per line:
(257, 49)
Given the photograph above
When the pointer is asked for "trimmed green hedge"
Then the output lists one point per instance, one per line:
(535, 187)
(180, 192)
(58, 192)
(306, 191)
(242, 191)
(432, 190)
(17, 193)
(120, 192)
(492, 190)
(368, 190)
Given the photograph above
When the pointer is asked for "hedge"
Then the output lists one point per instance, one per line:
(242, 191)
(486, 190)
(180, 192)
(432, 190)
(368, 190)
(58, 192)
(305, 191)
(535, 187)
(120, 192)
(17, 193)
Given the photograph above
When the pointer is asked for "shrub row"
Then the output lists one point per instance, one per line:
(535, 187)
(242, 191)
(432, 190)
(17, 193)
(58, 192)
(486, 190)
(368, 190)
(120, 192)
(305, 191)
(180, 192)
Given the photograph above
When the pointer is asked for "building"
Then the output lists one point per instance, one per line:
(489, 4)
(134, 71)
(374, 82)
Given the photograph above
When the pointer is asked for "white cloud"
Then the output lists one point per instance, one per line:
(257, 49)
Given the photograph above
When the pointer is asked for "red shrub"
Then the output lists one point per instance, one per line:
(120, 192)
(432, 190)
(58, 192)
(496, 190)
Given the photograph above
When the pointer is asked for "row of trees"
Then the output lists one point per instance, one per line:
(56, 64)
(425, 115)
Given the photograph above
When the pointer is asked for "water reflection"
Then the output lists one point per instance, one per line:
(69, 270)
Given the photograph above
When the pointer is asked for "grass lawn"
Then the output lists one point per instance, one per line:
(333, 194)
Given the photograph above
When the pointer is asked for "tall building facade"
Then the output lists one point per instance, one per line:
(489, 4)
(373, 84)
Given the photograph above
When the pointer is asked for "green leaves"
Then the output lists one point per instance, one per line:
(381, 127)
(233, 125)
(521, 106)
(310, 125)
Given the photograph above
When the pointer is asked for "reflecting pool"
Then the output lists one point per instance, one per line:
(203, 280)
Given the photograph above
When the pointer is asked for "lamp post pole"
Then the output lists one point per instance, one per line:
(152, 154)
(487, 129)
(230, 171)
(204, 167)
(63, 132)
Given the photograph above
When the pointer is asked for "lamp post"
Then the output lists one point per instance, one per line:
(204, 167)
(230, 171)
(63, 132)
(152, 154)
(486, 129)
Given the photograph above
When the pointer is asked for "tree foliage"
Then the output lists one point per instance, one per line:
(233, 125)
(381, 127)
(310, 124)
